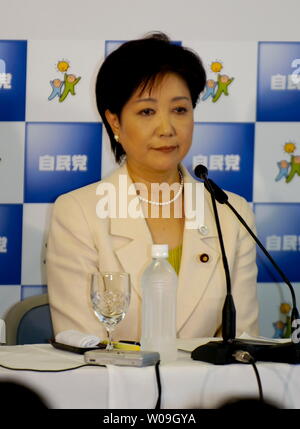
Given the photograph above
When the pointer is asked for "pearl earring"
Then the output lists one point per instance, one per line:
(116, 138)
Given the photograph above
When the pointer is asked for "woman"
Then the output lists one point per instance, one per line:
(146, 91)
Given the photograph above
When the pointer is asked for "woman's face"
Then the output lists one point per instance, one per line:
(156, 127)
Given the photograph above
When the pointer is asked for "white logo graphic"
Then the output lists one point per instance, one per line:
(3, 244)
(296, 332)
(280, 82)
(63, 163)
(283, 243)
(5, 78)
(230, 162)
(295, 74)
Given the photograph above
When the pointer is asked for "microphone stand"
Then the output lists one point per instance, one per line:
(220, 353)
(223, 352)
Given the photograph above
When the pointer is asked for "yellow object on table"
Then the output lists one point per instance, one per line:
(124, 345)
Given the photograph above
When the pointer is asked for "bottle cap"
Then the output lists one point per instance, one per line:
(160, 250)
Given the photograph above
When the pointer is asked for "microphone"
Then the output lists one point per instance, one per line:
(229, 313)
(288, 352)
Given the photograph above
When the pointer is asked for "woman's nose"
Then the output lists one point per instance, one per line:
(165, 127)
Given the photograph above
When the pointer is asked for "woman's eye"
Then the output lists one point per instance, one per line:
(180, 109)
(146, 112)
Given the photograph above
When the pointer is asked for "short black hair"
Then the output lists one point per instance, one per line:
(137, 63)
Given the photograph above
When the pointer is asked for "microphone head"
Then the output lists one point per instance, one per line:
(219, 194)
(201, 171)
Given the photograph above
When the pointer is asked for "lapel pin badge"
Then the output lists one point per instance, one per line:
(204, 257)
(203, 230)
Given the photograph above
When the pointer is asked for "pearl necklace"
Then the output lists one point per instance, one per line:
(165, 203)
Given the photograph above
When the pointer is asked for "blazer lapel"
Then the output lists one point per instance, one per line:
(135, 255)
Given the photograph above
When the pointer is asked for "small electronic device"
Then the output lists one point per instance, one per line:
(121, 357)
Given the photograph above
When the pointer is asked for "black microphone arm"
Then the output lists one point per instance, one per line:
(222, 198)
(229, 313)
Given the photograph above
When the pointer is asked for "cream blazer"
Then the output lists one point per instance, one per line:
(80, 243)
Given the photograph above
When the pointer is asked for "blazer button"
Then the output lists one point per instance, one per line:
(204, 257)
(203, 230)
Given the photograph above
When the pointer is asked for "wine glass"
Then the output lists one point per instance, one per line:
(110, 296)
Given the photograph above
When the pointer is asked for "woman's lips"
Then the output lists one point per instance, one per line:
(166, 149)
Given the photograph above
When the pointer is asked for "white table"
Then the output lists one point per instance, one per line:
(186, 384)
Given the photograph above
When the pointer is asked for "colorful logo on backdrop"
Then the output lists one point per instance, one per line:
(279, 230)
(278, 93)
(282, 327)
(226, 149)
(10, 243)
(60, 157)
(13, 55)
(218, 84)
(64, 84)
(291, 167)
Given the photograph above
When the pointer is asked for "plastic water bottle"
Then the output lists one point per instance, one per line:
(159, 290)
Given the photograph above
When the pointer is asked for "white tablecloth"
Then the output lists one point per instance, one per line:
(186, 384)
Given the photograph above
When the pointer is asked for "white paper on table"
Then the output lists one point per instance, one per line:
(39, 357)
(77, 339)
(189, 344)
(256, 339)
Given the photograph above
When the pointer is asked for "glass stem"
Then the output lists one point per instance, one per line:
(109, 338)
